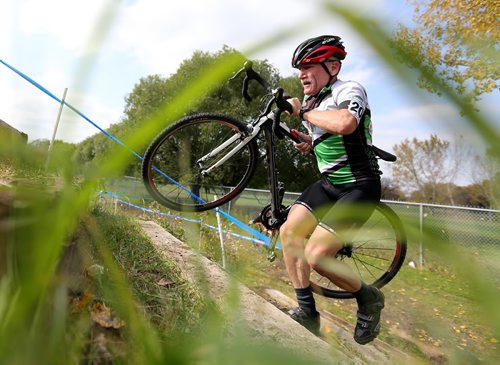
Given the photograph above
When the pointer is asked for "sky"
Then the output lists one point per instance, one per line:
(59, 44)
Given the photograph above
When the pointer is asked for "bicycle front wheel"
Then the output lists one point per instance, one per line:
(182, 167)
(375, 253)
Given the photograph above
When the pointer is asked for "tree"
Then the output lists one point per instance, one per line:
(425, 165)
(391, 190)
(473, 195)
(146, 97)
(153, 91)
(486, 176)
(458, 39)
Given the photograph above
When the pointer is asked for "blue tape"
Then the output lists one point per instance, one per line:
(40, 87)
(149, 210)
(241, 225)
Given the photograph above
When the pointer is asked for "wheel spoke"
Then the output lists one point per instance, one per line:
(375, 255)
(172, 171)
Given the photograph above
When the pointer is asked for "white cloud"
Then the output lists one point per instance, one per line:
(162, 34)
(174, 30)
(421, 121)
(17, 110)
(74, 128)
(48, 39)
(70, 23)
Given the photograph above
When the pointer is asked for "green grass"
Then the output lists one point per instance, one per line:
(172, 304)
(445, 307)
(431, 313)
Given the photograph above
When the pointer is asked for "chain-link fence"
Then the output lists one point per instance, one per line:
(470, 226)
(426, 224)
(474, 229)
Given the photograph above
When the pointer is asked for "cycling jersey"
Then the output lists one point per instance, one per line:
(348, 158)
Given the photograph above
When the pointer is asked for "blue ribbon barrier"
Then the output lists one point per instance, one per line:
(266, 240)
(40, 87)
(116, 197)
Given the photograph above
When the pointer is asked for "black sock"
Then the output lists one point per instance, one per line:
(365, 294)
(305, 299)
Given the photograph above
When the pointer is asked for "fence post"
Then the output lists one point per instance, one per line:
(55, 129)
(221, 238)
(421, 228)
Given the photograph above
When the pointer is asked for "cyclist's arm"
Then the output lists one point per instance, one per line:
(339, 121)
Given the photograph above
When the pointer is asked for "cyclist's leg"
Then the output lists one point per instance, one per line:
(350, 206)
(320, 252)
(354, 204)
(300, 223)
(350, 211)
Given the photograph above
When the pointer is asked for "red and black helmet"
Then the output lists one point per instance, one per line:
(318, 50)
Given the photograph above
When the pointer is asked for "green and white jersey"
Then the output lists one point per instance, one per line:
(345, 158)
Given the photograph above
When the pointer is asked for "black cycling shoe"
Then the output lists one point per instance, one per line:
(311, 322)
(368, 325)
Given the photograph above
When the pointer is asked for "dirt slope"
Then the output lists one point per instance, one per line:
(263, 313)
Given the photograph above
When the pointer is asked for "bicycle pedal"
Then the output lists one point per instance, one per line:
(271, 256)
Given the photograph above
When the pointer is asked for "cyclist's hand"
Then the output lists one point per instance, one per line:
(296, 105)
(306, 145)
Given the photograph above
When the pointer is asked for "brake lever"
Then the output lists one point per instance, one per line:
(244, 90)
(281, 102)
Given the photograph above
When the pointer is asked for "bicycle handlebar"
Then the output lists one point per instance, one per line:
(280, 97)
(250, 74)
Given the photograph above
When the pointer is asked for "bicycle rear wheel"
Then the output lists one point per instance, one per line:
(375, 253)
(173, 164)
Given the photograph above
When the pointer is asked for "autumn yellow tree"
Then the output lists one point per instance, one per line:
(458, 40)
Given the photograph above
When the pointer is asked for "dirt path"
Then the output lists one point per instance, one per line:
(263, 314)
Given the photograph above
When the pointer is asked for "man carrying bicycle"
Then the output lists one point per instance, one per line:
(337, 116)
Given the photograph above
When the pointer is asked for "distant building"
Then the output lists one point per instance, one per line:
(9, 133)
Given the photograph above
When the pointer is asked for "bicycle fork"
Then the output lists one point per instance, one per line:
(277, 188)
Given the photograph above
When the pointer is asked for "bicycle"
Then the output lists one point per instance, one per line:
(216, 156)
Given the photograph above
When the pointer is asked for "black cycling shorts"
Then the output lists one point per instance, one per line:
(343, 206)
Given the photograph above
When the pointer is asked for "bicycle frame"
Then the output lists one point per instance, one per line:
(263, 123)
(254, 130)
(277, 189)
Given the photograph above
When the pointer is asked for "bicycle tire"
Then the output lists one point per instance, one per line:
(378, 252)
(177, 182)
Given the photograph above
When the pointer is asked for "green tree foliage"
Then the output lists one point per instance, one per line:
(53, 162)
(153, 91)
(391, 190)
(148, 94)
(474, 195)
(458, 39)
